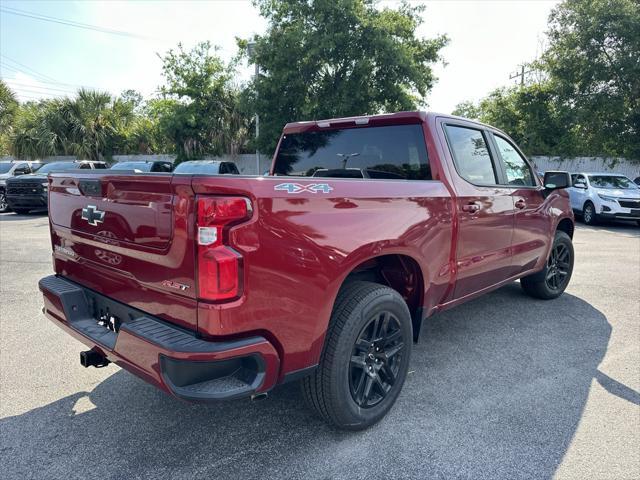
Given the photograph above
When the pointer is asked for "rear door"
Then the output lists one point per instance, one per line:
(485, 211)
(127, 236)
(531, 221)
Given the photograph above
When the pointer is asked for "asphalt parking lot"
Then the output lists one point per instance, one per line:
(502, 387)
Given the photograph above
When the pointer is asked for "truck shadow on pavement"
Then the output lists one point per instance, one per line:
(496, 390)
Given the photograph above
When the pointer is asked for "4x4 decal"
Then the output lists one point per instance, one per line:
(299, 188)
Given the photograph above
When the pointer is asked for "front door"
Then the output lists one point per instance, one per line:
(485, 212)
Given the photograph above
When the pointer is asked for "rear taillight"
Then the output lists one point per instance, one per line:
(219, 265)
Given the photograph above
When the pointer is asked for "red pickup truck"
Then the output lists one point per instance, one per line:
(218, 287)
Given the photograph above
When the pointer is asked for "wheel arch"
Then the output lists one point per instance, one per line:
(567, 226)
(398, 271)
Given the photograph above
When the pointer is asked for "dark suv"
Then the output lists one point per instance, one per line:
(30, 192)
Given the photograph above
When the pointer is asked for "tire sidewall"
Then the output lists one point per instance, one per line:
(372, 305)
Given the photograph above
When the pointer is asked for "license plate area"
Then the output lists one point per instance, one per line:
(109, 314)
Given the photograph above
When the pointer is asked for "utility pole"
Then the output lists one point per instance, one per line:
(251, 52)
(520, 74)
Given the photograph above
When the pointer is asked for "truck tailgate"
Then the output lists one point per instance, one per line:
(127, 236)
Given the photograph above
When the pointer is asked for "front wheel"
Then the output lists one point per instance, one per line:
(589, 214)
(365, 359)
(4, 206)
(552, 281)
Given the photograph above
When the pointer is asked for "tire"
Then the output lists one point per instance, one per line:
(21, 211)
(589, 215)
(367, 349)
(4, 206)
(552, 281)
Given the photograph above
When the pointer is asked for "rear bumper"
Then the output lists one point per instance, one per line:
(171, 358)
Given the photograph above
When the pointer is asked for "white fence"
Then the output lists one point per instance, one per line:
(588, 164)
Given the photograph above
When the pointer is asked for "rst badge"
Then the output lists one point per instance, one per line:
(300, 188)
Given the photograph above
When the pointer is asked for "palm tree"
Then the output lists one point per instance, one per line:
(8, 110)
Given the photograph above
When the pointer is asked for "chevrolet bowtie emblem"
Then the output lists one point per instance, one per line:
(92, 215)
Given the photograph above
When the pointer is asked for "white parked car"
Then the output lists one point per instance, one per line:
(604, 196)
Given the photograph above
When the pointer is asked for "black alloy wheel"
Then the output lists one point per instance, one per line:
(558, 267)
(375, 360)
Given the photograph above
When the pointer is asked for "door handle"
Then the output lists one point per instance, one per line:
(471, 207)
(520, 203)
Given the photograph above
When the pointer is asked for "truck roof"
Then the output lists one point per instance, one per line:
(398, 118)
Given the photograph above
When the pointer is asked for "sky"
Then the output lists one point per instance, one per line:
(47, 59)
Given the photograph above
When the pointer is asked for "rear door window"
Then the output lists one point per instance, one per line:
(471, 155)
(395, 152)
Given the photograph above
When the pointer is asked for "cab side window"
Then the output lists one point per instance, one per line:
(517, 169)
(471, 155)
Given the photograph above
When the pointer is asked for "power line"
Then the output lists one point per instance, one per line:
(31, 72)
(70, 23)
(14, 84)
(34, 72)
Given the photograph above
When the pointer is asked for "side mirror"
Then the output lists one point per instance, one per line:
(556, 180)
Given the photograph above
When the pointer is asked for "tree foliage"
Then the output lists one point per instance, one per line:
(530, 115)
(90, 126)
(331, 58)
(8, 110)
(199, 109)
(588, 99)
(593, 63)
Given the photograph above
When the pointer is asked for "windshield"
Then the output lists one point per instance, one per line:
(611, 181)
(197, 167)
(56, 166)
(141, 166)
(5, 167)
(389, 152)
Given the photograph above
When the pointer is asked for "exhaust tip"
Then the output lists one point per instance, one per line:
(256, 397)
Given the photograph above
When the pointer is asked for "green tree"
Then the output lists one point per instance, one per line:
(587, 101)
(529, 114)
(198, 110)
(39, 130)
(91, 126)
(593, 61)
(8, 110)
(328, 58)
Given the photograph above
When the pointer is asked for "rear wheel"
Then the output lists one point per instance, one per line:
(552, 281)
(366, 357)
(589, 214)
